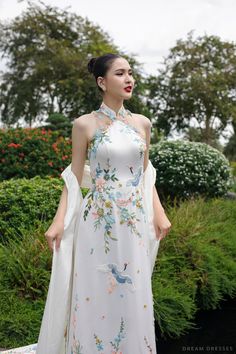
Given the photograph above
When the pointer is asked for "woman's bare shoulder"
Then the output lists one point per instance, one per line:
(84, 120)
(85, 123)
(144, 121)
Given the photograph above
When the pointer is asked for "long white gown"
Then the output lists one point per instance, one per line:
(111, 303)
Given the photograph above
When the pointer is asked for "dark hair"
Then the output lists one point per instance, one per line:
(100, 65)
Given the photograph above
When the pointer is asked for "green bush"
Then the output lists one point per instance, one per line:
(25, 265)
(195, 267)
(189, 169)
(233, 169)
(60, 123)
(26, 202)
(31, 152)
(24, 279)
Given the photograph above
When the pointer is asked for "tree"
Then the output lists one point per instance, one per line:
(48, 50)
(197, 85)
(58, 122)
(230, 148)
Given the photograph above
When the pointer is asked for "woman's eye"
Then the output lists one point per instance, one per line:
(122, 73)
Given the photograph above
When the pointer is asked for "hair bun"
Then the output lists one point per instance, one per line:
(91, 64)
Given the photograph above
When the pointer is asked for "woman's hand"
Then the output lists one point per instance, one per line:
(162, 225)
(54, 232)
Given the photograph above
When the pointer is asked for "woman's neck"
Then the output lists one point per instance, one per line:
(113, 104)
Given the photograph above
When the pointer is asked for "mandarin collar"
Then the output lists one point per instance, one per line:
(111, 113)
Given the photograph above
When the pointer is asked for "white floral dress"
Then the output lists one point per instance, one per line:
(112, 302)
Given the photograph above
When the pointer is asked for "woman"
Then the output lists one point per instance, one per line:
(111, 303)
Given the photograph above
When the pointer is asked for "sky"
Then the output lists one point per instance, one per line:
(146, 29)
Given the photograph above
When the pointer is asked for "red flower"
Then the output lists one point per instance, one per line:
(50, 163)
(54, 146)
(14, 145)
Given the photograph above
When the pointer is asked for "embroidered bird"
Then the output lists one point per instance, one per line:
(135, 180)
(131, 169)
(113, 269)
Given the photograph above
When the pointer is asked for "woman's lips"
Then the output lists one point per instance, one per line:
(128, 89)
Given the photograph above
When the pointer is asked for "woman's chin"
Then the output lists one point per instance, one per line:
(127, 95)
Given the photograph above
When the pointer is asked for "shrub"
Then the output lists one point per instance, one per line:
(233, 168)
(190, 169)
(24, 279)
(60, 123)
(26, 265)
(195, 267)
(24, 203)
(33, 152)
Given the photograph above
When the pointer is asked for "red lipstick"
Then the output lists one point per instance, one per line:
(128, 88)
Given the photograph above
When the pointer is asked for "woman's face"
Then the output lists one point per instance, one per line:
(117, 78)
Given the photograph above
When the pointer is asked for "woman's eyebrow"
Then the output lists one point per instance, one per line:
(122, 70)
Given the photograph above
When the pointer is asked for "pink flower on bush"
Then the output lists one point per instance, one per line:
(50, 163)
(64, 157)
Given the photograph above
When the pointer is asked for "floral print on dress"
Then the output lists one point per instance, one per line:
(115, 344)
(76, 347)
(99, 137)
(102, 197)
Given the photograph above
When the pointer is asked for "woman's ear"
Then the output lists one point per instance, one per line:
(100, 83)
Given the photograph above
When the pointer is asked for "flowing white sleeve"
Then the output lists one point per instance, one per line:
(149, 182)
(51, 338)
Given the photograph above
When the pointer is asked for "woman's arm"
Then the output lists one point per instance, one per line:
(79, 148)
(61, 210)
(79, 151)
(157, 206)
(161, 222)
